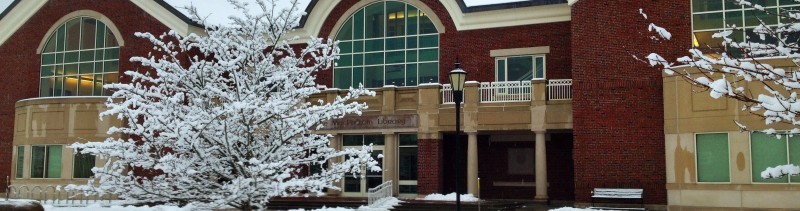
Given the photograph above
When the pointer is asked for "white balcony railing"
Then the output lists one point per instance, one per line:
(447, 94)
(377, 194)
(505, 91)
(559, 89)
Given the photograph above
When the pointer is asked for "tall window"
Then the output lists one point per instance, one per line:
(519, 68)
(711, 16)
(79, 58)
(82, 166)
(46, 161)
(713, 158)
(407, 163)
(769, 151)
(20, 161)
(387, 43)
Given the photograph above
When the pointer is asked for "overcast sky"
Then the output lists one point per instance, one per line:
(218, 11)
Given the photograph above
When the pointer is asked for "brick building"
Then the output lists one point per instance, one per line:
(556, 105)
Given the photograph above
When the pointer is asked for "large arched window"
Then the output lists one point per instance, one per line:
(387, 43)
(78, 58)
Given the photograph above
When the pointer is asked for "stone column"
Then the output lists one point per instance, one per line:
(336, 143)
(390, 161)
(541, 167)
(472, 164)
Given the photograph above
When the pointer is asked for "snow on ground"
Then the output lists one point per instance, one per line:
(98, 207)
(449, 197)
(384, 205)
(574, 209)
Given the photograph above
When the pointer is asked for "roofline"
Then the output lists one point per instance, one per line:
(177, 13)
(8, 9)
(508, 5)
(463, 6)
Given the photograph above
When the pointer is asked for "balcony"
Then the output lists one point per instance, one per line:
(515, 91)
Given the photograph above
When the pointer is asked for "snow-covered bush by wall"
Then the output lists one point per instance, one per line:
(224, 119)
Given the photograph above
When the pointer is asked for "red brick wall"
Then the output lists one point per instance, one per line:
(429, 168)
(617, 101)
(20, 61)
(473, 46)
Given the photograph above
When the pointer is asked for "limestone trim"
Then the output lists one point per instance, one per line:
(520, 51)
(168, 18)
(81, 13)
(18, 16)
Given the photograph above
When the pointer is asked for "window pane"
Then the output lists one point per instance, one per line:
(374, 20)
(706, 5)
(411, 56)
(71, 69)
(358, 59)
(376, 140)
(734, 18)
(20, 161)
(110, 79)
(788, 2)
(71, 86)
(395, 43)
(352, 184)
(46, 87)
(98, 85)
(412, 20)
(346, 32)
(411, 42)
(342, 78)
(395, 23)
(794, 155)
(87, 56)
(411, 74)
(59, 58)
(395, 75)
(540, 64)
(501, 70)
(51, 43)
(520, 68)
(358, 25)
(54, 161)
(767, 151)
(111, 41)
(358, 77)
(358, 46)
(768, 16)
(73, 34)
(429, 41)
(429, 55)
(111, 67)
(352, 140)
(47, 71)
(345, 47)
(83, 165)
(62, 34)
(713, 158)
(408, 163)
(373, 45)
(708, 21)
(412, 189)
(373, 76)
(395, 57)
(37, 162)
(344, 61)
(408, 139)
(112, 53)
(48, 59)
(429, 72)
(57, 88)
(766, 3)
(85, 68)
(373, 58)
(88, 33)
(425, 24)
(71, 57)
(100, 40)
(86, 85)
(705, 39)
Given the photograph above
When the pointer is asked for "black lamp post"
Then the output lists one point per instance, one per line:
(457, 77)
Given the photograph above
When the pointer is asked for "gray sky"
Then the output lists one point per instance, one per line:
(218, 11)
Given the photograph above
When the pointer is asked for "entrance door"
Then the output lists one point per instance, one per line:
(357, 186)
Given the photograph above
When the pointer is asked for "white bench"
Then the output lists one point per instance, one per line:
(619, 193)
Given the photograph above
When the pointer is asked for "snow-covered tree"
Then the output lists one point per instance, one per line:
(744, 70)
(224, 119)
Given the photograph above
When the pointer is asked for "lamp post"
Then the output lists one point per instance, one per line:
(457, 77)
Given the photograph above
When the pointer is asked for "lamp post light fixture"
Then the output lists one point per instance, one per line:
(457, 78)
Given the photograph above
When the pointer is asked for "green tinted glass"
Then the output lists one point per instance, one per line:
(345, 61)
(708, 21)
(411, 74)
(429, 55)
(374, 20)
(358, 77)
(54, 161)
(706, 5)
(713, 158)
(20, 161)
(767, 151)
(395, 57)
(373, 76)
(429, 72)
(395, 75)
(346, 32)
(343, 78)
(373, 58)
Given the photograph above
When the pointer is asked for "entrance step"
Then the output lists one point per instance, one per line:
(420, 205)
(308, 203)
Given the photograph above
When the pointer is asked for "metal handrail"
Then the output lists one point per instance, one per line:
(379, 193)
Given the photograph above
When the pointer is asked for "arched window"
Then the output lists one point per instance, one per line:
(387, 43)
(78, 58)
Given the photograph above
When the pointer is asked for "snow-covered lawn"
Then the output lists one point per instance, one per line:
(574, 209)
(382, 206)
(450, 197)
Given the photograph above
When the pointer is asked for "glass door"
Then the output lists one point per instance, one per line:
(357, 185)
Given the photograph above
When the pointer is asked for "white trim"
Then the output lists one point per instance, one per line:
(167, 18)
(519, 51)
(18, 16)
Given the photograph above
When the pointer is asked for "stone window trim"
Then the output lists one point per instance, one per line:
(697, 152)
(520, 51)
(535, 60)
(81, 13)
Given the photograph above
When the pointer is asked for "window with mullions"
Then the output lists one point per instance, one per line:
(83, 164)
(712, 157)
(712, 16)
(519, 68)
(769, 151)
(79, 58)
(387, 43)
(46, 161)
(20, 161)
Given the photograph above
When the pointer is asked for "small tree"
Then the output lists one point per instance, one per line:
(224, 119)
(738, 69)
